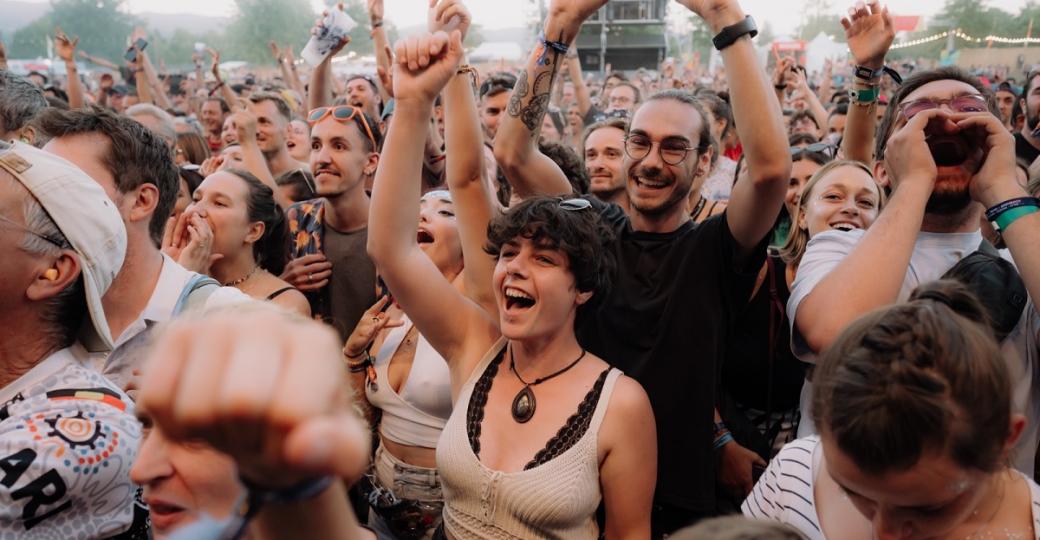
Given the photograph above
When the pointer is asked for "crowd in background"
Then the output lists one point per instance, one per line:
(454, 301)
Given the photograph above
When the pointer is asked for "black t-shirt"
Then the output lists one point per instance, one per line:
(747, 374)
(665, 323)
(1023, 149)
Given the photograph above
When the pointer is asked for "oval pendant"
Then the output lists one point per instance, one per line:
(523, 405)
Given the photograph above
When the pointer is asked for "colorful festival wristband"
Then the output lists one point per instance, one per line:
(994, 212)
(1005, 219)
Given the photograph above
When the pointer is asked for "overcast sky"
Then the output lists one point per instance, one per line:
(783, 15)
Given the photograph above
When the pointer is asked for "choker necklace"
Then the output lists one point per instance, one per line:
(242, 280)
(524, 402)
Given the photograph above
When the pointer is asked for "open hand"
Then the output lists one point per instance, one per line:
(869, 32)
(276, 398)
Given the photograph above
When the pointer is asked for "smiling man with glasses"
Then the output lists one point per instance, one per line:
(948, 159)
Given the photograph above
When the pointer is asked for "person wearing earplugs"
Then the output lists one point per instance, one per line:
(67, 434)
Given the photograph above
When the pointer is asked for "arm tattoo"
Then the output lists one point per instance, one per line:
(531, 115)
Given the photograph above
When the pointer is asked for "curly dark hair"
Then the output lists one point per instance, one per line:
(579, 234)
(570, 163)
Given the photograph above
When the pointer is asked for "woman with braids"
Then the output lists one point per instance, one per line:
(913, 407)
(531, 447)
(249, 243)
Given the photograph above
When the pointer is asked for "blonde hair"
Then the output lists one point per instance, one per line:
(797, 238)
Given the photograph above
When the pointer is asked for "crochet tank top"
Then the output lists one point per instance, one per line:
(557, 493)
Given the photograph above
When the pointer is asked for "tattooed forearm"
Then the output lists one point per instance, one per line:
(532, 112)
(519, 93)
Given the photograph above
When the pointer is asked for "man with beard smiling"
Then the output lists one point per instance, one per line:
(678, 284)
(604, 153)
(330, 262)
(1027, 141)
(945, 153)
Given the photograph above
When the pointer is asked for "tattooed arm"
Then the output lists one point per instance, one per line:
(516, 144)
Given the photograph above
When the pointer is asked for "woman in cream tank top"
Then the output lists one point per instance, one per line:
(524, 390)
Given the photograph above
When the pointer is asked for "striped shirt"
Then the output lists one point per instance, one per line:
(785, 491)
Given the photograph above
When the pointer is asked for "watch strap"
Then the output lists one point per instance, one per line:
(730, 34)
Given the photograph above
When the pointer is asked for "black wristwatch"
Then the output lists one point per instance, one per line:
(730, 34)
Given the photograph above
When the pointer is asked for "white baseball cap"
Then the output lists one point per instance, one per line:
(84, 214)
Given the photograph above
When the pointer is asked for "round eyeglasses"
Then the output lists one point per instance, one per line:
(672, 151)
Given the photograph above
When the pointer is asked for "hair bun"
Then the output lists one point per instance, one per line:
(954, 295)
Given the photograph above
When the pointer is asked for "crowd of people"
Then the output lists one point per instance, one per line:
(748, 303)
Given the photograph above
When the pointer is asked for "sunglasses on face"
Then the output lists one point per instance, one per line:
(967, 103)
(342, 114)
(816, 148)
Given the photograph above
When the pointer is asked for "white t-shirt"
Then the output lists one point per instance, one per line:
(933, 255)
(786, 491)
(68, 438)
(127, 354)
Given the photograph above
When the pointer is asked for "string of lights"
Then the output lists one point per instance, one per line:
(960, 34)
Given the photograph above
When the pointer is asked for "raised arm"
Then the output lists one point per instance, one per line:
(754, 204)
(869, 33)
(225, 90)
(99, 61)
(156, 85)
(380, 46)
(252, 158)
(516, 144)
(581, 90)
(474, 202)
(804, 91)
(65, 48)
(280, 386)
(424, 65)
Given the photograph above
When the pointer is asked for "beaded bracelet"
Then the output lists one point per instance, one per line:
(557, 46)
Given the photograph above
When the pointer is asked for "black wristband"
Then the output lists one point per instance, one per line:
(730, 34)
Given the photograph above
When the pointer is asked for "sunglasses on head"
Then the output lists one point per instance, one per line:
(967, 103)
(576, 204)
(497, 82)
(342, 114)
(818, 148)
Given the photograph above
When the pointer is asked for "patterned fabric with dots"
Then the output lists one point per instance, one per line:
(68, 438)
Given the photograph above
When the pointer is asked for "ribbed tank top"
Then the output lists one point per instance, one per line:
(415, 415)
(557, 499)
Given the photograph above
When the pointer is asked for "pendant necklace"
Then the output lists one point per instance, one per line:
(524, 403)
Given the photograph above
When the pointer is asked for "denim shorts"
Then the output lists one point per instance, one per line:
(405, 500)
